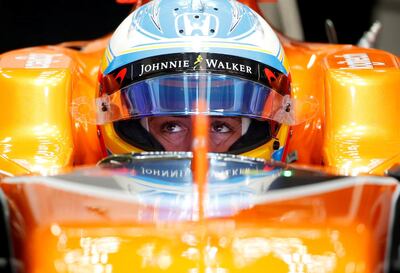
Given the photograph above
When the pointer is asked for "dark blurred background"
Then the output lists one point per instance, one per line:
(29, 23)
(351, 19)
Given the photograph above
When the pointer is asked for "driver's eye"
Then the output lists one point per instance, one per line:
(220, 127)
(171, 127)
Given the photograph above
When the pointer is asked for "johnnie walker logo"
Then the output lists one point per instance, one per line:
(213, 64)
(198, 61)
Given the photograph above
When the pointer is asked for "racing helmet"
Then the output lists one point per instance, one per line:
(168, 54)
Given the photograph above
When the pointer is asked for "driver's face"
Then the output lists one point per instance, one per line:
(175, 133)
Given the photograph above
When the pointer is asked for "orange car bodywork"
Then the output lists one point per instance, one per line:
(64, 230)
(341, 227)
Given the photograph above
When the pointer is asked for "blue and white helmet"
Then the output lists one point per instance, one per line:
(167, 53)
(213, 26)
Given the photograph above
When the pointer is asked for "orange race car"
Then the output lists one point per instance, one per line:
(197, 138)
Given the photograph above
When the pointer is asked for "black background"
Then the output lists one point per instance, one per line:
(29, 22)
(350, 17)
(39, 22)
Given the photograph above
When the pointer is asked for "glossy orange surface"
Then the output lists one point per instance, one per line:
(355, 129)
(362, 110)
(41, 83)
(343, 228)
(287, 231)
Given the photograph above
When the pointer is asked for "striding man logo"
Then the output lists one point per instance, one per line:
(198, 61)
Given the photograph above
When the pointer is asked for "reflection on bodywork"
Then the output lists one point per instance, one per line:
(164, 249)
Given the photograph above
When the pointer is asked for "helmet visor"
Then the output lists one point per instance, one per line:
(179, 94)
